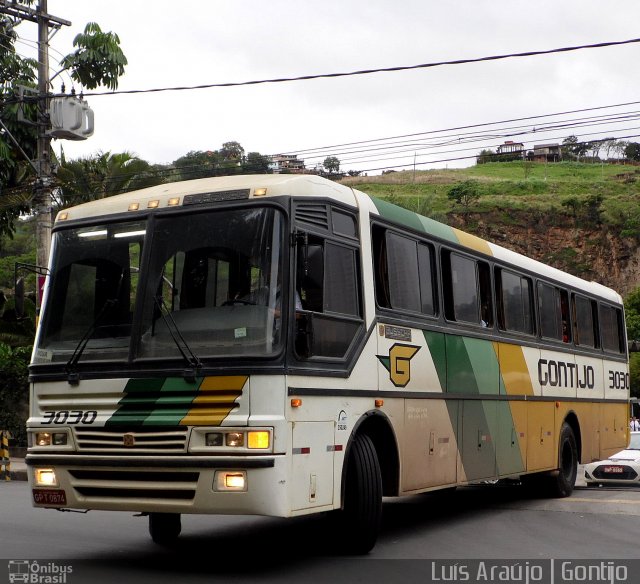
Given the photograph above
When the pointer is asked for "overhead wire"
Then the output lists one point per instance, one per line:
(367, 71)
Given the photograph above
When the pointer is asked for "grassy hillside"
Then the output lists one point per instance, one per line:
(598, 198)
(560, 191)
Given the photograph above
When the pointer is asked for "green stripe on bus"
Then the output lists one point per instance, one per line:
(173, 402)
(461, 377)
(156, 401)
(438, 350)
(413, 220)
(508, 453)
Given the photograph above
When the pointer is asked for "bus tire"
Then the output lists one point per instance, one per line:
(164, 528)
(359, 519)
(564, 481)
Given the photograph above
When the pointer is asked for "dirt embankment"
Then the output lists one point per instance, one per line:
(590, 252)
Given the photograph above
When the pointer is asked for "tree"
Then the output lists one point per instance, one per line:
(572, 147)
(632, 317)
(632, 314)
(331, 164)
(231, 151)
(14, 390)
(256, 163)
(197, 164)
(485, 156)
(97, 60)
(102, 175)
(465, 193)
(632, 151)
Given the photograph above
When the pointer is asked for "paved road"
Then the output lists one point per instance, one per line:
(482, 523)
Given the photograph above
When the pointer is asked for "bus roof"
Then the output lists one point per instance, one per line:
(270, 185)
(173, 194)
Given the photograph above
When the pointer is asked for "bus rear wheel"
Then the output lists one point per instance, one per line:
(359, 519)
(562, 483)
(164, 528)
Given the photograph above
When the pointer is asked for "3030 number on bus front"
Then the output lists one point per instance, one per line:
(70, 417)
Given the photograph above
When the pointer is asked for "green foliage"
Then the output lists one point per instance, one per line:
(634, 374)
(465, 193)
(586, 210)
(14, 391)
(102, 175)
(486, 156)
(632, 314)
(98, 60)
(256, 163)
(331, 164)
(632, 151)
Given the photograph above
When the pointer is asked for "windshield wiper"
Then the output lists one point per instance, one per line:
(70, 368)
(192, 359)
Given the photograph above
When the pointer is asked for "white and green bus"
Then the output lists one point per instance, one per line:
(285, 345)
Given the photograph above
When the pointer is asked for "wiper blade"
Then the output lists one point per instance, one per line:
(192, 359)
(70, 367)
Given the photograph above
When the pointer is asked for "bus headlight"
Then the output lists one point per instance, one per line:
(237, 439)
(51, 438)
(234, 439)
(45, 477)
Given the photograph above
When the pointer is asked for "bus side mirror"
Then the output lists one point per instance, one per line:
(19, 297)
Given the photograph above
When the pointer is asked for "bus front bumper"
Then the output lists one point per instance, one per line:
(255, 485)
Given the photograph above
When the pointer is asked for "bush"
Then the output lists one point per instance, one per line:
(14, 391)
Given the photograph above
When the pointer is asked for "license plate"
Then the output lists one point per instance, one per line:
(613, 469)
(49, 497)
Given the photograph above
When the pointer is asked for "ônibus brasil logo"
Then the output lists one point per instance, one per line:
(34, 572)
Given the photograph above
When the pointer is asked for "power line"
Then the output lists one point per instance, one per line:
(467, 127)
(368, 71)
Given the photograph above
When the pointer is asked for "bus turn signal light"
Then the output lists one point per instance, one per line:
(258, 439)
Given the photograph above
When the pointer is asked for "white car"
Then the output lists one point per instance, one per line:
(622, 468)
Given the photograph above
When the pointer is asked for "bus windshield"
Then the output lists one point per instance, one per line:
(211, 281)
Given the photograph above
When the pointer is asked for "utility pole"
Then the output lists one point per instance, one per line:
(44, 170)
(44, 184)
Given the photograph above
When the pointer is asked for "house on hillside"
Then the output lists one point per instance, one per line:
(286, 163)
(546, 153)
(510, 147)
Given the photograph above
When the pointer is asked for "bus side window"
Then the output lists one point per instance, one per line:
(553, 308)
(467, 290)
(515, 302)
(327, 281)
(611, 329)
(586, 321)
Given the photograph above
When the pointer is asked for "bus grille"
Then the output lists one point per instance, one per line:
(137, 484)
(135, 441)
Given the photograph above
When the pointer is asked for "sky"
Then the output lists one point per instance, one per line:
(192, 42)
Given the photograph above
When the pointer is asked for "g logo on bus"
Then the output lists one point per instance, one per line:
(128, 440)
(398, 363)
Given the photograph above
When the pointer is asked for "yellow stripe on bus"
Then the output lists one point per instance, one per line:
(216, 398)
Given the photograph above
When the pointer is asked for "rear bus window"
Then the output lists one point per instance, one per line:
(611, 329)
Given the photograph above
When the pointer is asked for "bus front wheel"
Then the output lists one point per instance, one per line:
(359, 519)
(164, 528)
